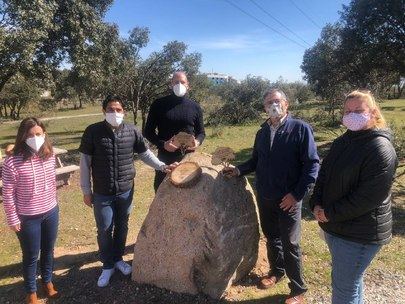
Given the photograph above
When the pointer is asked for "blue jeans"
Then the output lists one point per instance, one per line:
(112, 214)
(349, 262)
(38, 234)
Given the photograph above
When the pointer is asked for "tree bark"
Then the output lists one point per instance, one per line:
(143, 114)
(5, 79)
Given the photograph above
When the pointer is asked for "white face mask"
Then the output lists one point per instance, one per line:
(114, 119)
(35, 142)
(180, 90)
(274, 110)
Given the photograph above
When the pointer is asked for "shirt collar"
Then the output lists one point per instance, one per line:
(281, 122)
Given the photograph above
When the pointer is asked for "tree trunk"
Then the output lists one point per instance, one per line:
(5, 80)
(5, 109)
(19, 107)
(400, 89)
(143, 115)
(12, 110)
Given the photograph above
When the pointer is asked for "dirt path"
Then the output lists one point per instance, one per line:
(77, 269)
(56, 117)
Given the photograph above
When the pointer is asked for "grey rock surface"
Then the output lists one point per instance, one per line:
(199, 239)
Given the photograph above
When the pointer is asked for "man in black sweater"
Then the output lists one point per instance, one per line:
(170, 115)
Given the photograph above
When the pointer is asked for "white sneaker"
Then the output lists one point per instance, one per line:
(123, 267)
(105, 276)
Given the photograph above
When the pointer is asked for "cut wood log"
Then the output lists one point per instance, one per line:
(186, 174)
(198, 239)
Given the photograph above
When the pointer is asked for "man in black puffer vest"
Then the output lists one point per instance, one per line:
(107, 151)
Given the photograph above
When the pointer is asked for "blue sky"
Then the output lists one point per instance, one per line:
(230, 41)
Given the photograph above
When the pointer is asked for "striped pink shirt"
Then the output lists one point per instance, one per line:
(29, 187)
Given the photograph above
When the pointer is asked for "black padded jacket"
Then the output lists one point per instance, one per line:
(112, 163)
(354, 187)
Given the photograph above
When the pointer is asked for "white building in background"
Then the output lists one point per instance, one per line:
(218, 78)
(46, 94)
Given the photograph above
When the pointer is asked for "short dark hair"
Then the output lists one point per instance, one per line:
(114, 98)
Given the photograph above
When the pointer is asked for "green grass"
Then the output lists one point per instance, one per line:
(77, 227)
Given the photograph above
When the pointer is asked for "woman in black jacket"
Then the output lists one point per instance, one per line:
(352, 196)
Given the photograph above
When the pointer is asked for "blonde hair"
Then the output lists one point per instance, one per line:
(364, 95)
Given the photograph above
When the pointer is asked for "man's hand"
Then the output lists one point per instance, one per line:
(169, 168)
(169, 146)
(288, 203)
(195, 146)
(230, 172)
(16, 228)
(88, 200)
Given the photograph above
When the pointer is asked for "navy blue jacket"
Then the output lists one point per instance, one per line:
(290, 166)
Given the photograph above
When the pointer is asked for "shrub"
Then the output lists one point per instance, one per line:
(398, 131)
(233, 113)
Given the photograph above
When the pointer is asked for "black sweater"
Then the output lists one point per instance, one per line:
(170, 115)
(354, 187)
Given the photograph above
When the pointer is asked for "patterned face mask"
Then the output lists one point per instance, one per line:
(356, 121)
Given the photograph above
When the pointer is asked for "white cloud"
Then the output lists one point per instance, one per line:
(225, 43)
(255, 41)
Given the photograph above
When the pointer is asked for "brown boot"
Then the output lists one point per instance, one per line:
(32, 298)
(269, 281)
(298, 299)
(50, 290)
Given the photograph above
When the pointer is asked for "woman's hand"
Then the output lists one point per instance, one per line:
(319, 214)
(322, 216)
(16, 228)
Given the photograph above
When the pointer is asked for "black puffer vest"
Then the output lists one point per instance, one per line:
(112, 154)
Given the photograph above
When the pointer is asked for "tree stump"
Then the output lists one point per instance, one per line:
(198, 239)
(186, 174)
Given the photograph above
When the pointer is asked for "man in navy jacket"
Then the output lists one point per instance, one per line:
(286, 163)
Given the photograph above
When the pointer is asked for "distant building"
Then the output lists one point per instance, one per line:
(46, 94)
(217, 78)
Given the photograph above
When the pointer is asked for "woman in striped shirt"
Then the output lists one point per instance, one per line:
(29, 200)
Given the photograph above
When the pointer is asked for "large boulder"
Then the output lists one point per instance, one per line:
(198, 239)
